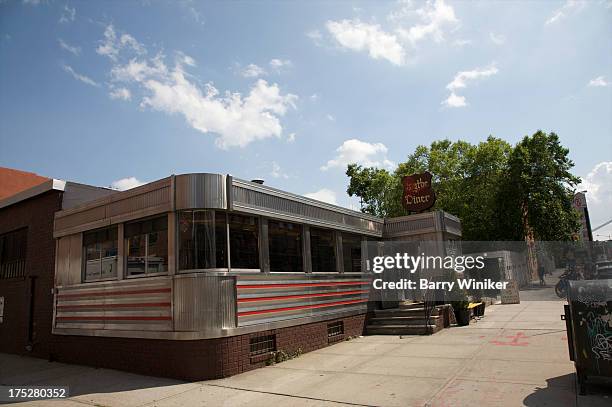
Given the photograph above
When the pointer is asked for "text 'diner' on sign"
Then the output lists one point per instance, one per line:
(418, 192)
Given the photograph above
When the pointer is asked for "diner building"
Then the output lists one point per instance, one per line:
(201, 276)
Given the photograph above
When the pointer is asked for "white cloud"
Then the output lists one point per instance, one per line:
(434, 16)
(462, 42)
(461, 80)
(72, 49)
(315, 36)
(279, 64)
(598, 184)
(68, 14)
(314, 97)
(277, 172)
(409, 27)
(291, 138)
(600, 81)
(358, 36)
(497, 39)
(454, 100)
(359, 152)
(120, 93)
(112, 45)
(324, 194)
(237, 120)
(331, 118)
(126, 183)
(253, 71)
(79, 77)
(568, 8)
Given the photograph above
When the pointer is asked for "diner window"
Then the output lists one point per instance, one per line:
(202, 239)
(13, 247)
(100, 249)
(147, 246)
(285, 247)
(244, 242)
(322, 248)
(351, 252)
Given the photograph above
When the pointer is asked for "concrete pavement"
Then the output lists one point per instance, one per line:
(515, 356)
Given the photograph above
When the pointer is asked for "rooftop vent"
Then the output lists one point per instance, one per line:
(258, 181)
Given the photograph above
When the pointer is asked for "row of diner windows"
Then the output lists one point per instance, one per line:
(207, 239)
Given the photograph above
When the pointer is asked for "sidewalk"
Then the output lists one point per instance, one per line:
(515, 356)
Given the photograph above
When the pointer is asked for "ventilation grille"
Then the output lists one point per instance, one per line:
(335, 331)
(262, 345)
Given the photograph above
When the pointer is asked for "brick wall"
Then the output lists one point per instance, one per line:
(193, 360)
(37, 215)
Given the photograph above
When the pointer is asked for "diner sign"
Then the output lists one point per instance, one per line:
(418, 193)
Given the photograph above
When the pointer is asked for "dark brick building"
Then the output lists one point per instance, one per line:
(27, 260)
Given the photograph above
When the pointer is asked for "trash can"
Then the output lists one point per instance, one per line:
(588, 319)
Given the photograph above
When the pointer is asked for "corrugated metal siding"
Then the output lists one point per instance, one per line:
(201, 191)
(149, 199)
(277, 204)
(269, 297)
(204, 302)
(68, 260)
(406, 225)
(143, 305)
(83, 217)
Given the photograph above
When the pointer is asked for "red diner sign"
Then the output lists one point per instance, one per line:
(418, 193)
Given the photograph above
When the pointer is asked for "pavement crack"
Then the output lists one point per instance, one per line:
(291, 395)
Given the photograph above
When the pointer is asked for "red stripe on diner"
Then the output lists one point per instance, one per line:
(114, 293)
(287, 297)
(332, 284)
(113, 318)
(133, 305)
(327, 304)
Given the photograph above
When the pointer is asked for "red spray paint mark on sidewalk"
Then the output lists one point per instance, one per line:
(514, 340)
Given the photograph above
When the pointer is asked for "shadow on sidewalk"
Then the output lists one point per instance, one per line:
(17, 370)
(556, 394)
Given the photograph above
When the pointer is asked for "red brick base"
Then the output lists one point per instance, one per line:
(198, 359)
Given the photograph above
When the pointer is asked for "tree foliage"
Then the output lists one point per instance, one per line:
(538, 190)
(500, 192)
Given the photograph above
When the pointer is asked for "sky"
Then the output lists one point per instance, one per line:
(118, 93)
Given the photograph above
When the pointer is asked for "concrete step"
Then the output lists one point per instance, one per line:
(401, 329)
(402, 312)
(401, 320)
(411, 305)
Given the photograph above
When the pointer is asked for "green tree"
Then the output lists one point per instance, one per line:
(485, 185)
(536, 197)
(377, 190)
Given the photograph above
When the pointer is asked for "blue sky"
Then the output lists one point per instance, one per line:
(128, 92)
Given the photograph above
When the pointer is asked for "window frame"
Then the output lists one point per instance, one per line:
(259, 243)
(23, 260)
(302, 256)
(125, 256)
(334, 247)
(84, 278)
(361, 239)
(178, 243)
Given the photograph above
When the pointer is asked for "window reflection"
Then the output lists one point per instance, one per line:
(147, 246)
(322, 248)
(285, 246)
(244, 242)
(100, 248)
(351, 252)
(202, 239)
